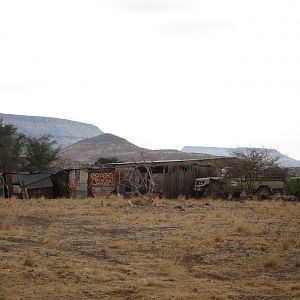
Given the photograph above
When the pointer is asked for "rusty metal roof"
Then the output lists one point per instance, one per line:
(174, 161)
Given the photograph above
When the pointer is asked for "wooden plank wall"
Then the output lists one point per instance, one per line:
(180, 178)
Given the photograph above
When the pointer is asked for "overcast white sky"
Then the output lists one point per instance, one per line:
(160, 73)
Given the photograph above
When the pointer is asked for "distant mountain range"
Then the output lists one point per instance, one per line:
(108, 145)
(85, 143)
(285, 161)
(66, 132)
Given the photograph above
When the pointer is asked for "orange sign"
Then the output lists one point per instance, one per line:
(103, 179)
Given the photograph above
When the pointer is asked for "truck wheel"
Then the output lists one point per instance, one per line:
(297, 195)
(236, 195)
(224, 195)
(263, 193)
(199, 194)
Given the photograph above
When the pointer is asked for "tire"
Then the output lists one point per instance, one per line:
(264, 193)
(236, 195)
(297, 195)
(199, 194)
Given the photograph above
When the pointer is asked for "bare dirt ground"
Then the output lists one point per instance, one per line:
(183, 249)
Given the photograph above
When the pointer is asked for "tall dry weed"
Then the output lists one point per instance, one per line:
(7, 224)
(29, 260)
(272, 262)
(48, 238)
(181, 198)
(219, 237)
(287, 242)
(242, 228)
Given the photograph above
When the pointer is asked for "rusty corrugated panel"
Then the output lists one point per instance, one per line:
(81, 184)
(81, 191)
(71, 183)
(72, 193)
(83, 179)
(72, 179)
(14, 179)
(77, 177)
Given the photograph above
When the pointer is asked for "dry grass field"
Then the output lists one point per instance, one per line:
(183, 249)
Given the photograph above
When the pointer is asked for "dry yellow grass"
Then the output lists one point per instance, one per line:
(170, 249)
(7, 224)
(219, 237)
(29, 260)
(242, 228)
(273, 261)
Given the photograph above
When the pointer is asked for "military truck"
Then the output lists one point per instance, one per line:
(292, 187)
(264, 183)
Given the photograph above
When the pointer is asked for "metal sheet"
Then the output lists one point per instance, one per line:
(81, 194)
(72, 177)
(100, 191)
(16, 189)
(83, 176)
(37, 180)
(81, 187)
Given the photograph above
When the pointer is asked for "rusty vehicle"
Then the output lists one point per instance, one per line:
(292, 187)
(264, 184)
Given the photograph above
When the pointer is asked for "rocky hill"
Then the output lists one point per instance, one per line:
(64, 131)
(285, 161)
(108, 145)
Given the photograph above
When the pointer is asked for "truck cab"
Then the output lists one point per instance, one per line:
(224, 185)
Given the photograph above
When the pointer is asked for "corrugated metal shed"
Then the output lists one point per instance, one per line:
(25, 185)
(172, 178)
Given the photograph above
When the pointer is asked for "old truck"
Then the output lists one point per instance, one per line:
(263, 184)
(292, 187)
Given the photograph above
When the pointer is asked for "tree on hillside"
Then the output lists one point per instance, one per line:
(253, 161)
(106, 160)
(11, 148)
(41, 152)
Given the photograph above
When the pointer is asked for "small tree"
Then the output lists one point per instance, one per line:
(11, 148)
(41, 152)
(106, 160)
(253, 160)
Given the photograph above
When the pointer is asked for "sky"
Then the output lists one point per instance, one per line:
(159, 73)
